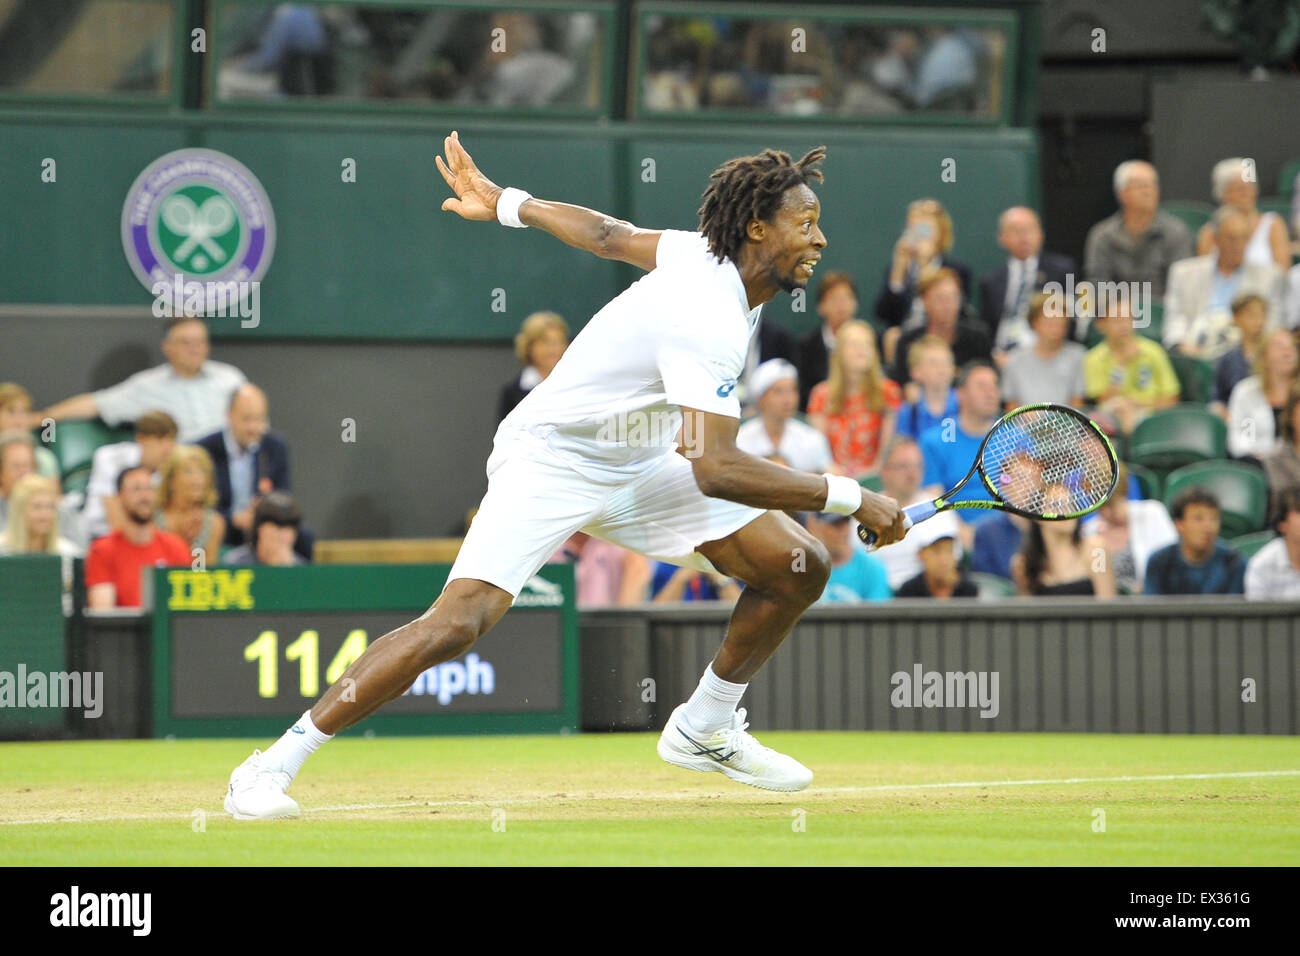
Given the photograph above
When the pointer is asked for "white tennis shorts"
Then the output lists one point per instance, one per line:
(535, 501)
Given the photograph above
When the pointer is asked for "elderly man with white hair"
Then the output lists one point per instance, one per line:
(1234, 185)
(1200, 290)
(1140, 241)
(774, 432)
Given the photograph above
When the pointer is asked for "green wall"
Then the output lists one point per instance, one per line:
(378, 259)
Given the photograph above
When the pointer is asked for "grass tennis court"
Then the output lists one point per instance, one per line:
(896, 799)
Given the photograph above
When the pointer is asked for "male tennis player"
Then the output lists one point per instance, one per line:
(594, 447)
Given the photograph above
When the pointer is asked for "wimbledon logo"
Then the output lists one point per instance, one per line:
(198, 219)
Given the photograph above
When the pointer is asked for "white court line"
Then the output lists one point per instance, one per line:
(879, 788)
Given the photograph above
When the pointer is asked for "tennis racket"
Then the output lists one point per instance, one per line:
(1047, 462)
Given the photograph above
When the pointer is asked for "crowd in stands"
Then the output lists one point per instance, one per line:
(899, 398)
(202, 482)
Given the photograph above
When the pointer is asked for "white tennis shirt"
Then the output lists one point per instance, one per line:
(678, 336)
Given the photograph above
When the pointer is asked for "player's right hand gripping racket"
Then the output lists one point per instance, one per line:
(1048, 462)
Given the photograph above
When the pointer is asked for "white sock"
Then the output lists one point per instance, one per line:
(298, 743)
(713, 703)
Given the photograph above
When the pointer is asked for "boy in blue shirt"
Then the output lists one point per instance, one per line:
(855, 575)
(1199, 563)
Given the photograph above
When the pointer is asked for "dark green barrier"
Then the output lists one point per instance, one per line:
(32, 643)
(377, 258)
(244, 651)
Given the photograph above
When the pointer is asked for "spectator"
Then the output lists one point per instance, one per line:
(771, 342)
(1056, 560)
(1199, 563)
(1282, 464)
(115, 561)
(1292, 297)
(33, 526)
(1257, 403)
(1005, 292)
(941, 295)
(855, 575)
(901, 469)
(155, 437)
(1131, 531)
(672, 583)
(18, 460)
(275, 529)
(776, 432)
(187, 499)
(997, 540)
(1139, 242)
(1250, 316)
(16, 415)
(248, 461)
(1267, 242)
(919, 252)
(856, 408)
(939, 549)
(1127, 376)
(1274, 572)
(950, 449)
(542, 339)
(605, 574)
(190, 387)
(1200, 291)
(1051, 368)
(837, 303)
(931, 367)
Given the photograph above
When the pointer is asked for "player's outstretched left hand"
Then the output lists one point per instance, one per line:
(476, 195)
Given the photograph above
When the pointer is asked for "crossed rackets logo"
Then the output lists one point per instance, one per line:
(198, 224)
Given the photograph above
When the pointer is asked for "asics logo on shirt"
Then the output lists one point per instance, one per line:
(726, 389)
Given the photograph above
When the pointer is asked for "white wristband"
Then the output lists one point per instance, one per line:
(843, 495)
(508, 204)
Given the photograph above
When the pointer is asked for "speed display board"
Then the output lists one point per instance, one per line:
(244, 651)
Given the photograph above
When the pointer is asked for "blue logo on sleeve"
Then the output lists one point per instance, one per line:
(726, 389)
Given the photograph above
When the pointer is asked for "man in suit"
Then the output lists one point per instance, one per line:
(771, 342)
(248, 461)
(1200, 290)
(1005, 292)
(837, 302)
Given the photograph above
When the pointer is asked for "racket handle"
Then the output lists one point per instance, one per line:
(911, 515)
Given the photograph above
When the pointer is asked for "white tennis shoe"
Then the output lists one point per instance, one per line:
(257, 791)
(731, 751)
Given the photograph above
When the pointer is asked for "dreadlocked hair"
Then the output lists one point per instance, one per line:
(751, 187)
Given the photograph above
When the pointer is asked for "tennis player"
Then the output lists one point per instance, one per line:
(632, 438)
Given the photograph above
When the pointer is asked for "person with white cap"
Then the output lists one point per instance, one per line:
(775, 432)
(939, 548)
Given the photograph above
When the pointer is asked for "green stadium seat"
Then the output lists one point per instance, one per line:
(1248, 545)
(74, 446)
(872, 483)
(1147, 480)
(1242, 491)
(1192, 212)
(1278, 205)
(1177, 436)
(1195, 378)
(991, 586)
(1286, 179)
(1155, 327)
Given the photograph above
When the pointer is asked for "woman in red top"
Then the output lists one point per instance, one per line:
(855, 409)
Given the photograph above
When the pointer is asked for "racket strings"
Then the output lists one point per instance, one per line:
(1048, 462)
